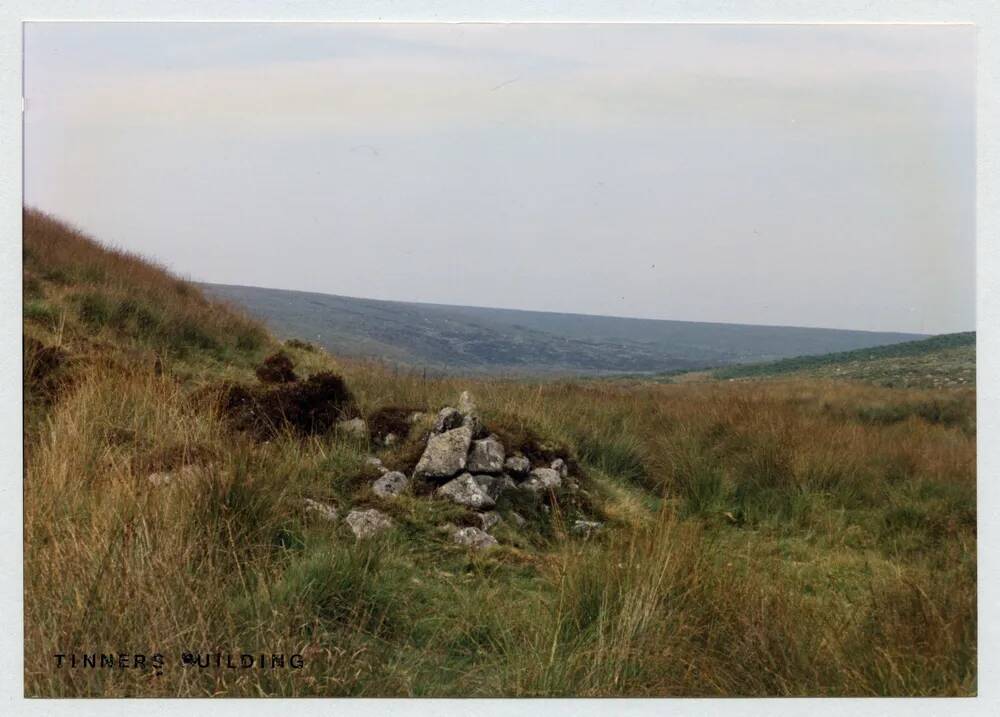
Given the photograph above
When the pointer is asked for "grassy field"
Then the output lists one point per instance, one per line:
(945, 361)
(788, 537)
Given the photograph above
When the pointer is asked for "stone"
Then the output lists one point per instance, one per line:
(391, 484)
(473, 423)
(559, 465)
(366, 523)
(586, 527)
(353, 427)
(517, 465)
(464, 490)
(517, 519)
(445, 455)
(376, 463)
(467, 404)
(542, 479)
(447, 419)
(488, 520)
(494, 486)
(322, 510)
(390, 439)
(183, 473)
(474, 538)
(486, 456)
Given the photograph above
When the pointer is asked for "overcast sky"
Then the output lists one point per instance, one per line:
(796, 175)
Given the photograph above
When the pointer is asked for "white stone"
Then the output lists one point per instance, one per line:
(517, 465)
(366, 523)
(323, 510)
(445, 455)
(390, 484)
(474, 538)
(464, 490)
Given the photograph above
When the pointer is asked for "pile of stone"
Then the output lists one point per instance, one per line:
(471, 467)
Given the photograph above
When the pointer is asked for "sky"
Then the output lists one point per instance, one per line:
(768, 174)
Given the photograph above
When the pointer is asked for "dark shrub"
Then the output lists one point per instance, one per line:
(299, 344)
(42, 370)
(306, 407)
(390, 419)
(277, 368)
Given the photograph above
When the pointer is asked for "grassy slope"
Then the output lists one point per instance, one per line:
(779, 538)
(940, 361)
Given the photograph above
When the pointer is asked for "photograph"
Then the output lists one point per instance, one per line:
(498, 360)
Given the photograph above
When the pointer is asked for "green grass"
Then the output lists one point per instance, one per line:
(948, 359)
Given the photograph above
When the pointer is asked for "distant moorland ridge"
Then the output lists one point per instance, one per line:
(484, 340)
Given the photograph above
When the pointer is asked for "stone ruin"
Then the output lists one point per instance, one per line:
(471, 467)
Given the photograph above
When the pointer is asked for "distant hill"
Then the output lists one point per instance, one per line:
(482, 340)
(946, 360)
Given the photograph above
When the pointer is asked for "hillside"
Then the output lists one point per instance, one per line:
(194, 485)
(942, 361)
(499, 341)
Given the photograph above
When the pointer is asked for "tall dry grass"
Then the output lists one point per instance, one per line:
(787, 538)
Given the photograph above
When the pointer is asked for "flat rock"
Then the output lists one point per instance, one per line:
(474, 538)
(486, 456)
(366, 523)
(445, 455)
(322, 510)
(447, 419)
(517, 465)
(464, 490)
(390, 484)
